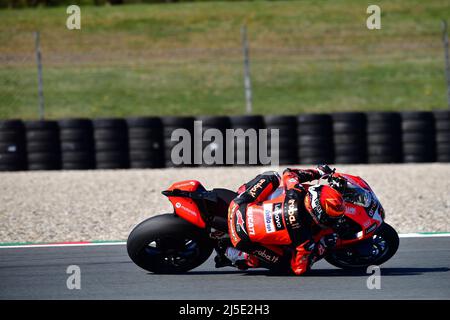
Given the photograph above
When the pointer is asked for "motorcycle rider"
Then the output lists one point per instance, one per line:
(263, 217)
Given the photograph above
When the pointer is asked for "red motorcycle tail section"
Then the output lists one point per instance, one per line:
(185, 207)
(186, 185)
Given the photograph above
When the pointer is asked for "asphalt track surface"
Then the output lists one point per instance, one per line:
(419, 270)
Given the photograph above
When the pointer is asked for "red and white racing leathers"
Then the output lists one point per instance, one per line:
(268, 213)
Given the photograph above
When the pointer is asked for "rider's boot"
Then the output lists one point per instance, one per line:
(241, 259)
(228, 256)
(221, 260)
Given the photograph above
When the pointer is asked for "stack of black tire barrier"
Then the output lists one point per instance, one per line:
(111, 143)
(315, 138)
(12, 145)
(145, 140)
(181, 159)
(384, 143)
(216, 149)
(442, 123)
(349, 130)
(418, 135)
(43, 146)
(77, 144)
(287, 143)
(250, 150)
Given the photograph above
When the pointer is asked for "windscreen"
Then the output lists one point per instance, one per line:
(357, 195)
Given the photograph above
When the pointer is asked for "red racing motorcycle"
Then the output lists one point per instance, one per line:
(183, 240)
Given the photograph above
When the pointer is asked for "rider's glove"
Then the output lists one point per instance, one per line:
(324, 244)
(324, 170)
(329, 241)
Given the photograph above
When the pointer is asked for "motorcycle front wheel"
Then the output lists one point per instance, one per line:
(383, 246)
(168, 244)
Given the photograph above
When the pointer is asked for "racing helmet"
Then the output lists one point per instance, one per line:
(325, 205)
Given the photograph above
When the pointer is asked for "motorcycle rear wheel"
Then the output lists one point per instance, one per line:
(385, 243)
(168, 244)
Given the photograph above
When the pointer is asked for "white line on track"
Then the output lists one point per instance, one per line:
(118, 243)
(52, 245)
(423, 235)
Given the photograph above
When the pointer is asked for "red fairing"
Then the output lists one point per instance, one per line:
(186, 185)
(241, 189)
(186, 207)
(355, 179)
(359, 214)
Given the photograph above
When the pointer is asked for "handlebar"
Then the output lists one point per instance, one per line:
(338, 183)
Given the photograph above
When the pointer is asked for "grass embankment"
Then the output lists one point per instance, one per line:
(306, 56)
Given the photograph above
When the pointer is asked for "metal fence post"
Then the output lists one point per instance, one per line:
(39, 66)
(247, 81)
(447, 62)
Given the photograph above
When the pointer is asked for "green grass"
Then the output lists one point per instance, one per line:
(306, 56)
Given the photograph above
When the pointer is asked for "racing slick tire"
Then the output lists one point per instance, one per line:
(391, 241)
(168, 244)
